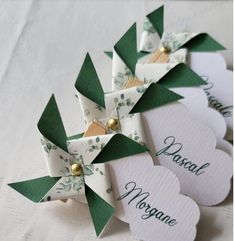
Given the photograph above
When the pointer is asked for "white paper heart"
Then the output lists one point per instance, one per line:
(148, 199)
(212, 67)
(188, 148)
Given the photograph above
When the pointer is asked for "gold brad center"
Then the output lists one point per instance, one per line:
(165, 50)
(76, 169)
(113, 124)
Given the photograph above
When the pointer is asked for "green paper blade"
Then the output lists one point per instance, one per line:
(100, 210)
(51, 126)
(126, 48)
(157, 19)
(155, 96)
(118, 147)
(35, 189)
(203, 42)
(88, 83)
(181, 76)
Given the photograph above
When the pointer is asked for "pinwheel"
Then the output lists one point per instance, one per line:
(82, 173)
(128, 72)
(136, 81)
(104, 112)
(173, 46)
(93, 101)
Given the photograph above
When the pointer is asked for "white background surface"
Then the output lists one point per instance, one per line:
(43, 44)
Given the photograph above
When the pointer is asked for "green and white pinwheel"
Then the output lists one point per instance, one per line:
(126, 66)
(178, 43)
(122, 105)
(77, 168)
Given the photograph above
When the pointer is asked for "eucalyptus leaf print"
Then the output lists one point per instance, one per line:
(175, 40)
(86, 112)
(135, 136)
(47, 145)
(88, 170)
(122, 101)
(69, 183)
(109, 190)
(148, 27)
(98, 170)
(65, 171)
(141, 89)
(121, 78)
(100, 108)
(95, 145)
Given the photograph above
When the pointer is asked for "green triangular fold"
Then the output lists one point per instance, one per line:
(119, 146)
(35, 189)
(181, 76)
(51, 126)
(155, 96)
(157, 19)
(126, 48)
(203, 42)
(100, 210)
(139, 54)
(88, 83)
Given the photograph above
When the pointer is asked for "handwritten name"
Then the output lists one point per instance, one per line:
(139, 198)
(226, 111)
(173, 149)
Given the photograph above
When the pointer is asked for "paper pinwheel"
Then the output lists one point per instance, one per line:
(127, 72)
(127, 78)
(93, 102)
(101, 109)
(173, 46)
(84, 172)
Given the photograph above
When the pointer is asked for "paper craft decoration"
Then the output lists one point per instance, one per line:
(210, 66)
(196, 164)
(109, 165)
(175, 41)
(177, 77)
(97, 108)
(76, 168)
(82, 173)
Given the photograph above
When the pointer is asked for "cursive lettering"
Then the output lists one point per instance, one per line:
(173, 149)
(226, 111)
(137, 197)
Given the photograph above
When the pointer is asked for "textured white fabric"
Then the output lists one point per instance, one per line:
(43, 44)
